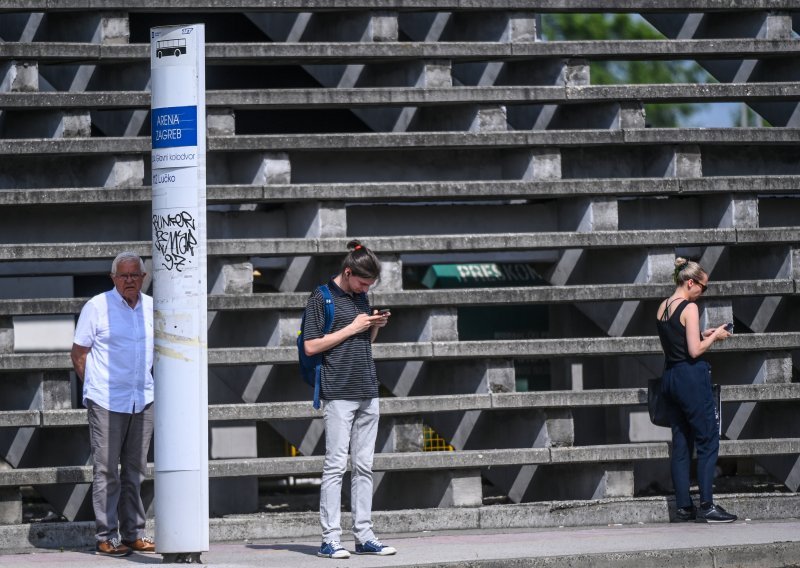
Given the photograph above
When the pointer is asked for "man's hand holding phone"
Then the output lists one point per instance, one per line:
(381, 317)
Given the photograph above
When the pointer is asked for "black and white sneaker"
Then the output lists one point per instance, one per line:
(375, 547)
(685, 514)
(713, 514)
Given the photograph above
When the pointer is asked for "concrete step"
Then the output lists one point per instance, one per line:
(416, 141)
(610, 514)
(545, 6)
(426, 191)
(423, 243)
(424, 461)
(403, 406)
(417, 96)
(446, 350)
(295, 301)
(377, 52)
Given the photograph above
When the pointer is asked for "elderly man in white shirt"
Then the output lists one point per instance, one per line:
(113, 355)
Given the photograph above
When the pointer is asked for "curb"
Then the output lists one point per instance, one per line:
(774, 555)
(265, 526)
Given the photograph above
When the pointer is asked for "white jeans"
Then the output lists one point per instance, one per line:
(349, 425)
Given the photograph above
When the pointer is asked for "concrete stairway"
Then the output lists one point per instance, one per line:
(438, 132)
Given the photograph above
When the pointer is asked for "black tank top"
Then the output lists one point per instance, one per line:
(673, 335)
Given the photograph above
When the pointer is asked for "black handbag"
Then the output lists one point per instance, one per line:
(657, 404)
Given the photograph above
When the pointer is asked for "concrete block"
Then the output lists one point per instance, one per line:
(391, 275)
(778, 367)
(226, 276)
(10, 501)
(490, 118)
(43, 333)
(232, 440)
(74, 125)
(288, 326)
(266, 168)
(125, 171)
(576, 73)
(744, 211)
(464, 489)
(442, 325)
(777, 25)
(560, 428)
(715, 312)
(499, 376)
(543, 163)
(640, 429)
(384, 26)
(437, 73)
(19, 77)
(56, 390)
(6, 335)
(221, 122)
(687, 162)
(114, 28)
(616, 481)
(405, 434)
(10, 506)
(605, 215)
(660, 265)
(631, 115)
(523, 27)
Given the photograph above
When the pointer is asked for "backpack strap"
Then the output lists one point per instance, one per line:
(329, 313)
(326, 295)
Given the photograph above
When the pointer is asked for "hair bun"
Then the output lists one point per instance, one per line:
(680, 262)
(354, 245)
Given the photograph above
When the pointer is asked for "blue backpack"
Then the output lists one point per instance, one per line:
(310, 366)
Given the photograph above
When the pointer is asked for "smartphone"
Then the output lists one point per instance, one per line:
(729, 327)
(384, 311)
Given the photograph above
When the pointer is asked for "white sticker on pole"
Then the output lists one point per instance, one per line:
(173, 119)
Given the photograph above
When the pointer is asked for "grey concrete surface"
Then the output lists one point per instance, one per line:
(306, 53)
(762, 544)
(402, 5)
(490, 242)
(427, 461)
(399, 406)
(442, 350)
(441, 297)
(412, 140)
(357, 97)
(428, 190)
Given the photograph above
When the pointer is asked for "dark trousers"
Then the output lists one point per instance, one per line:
(694, 426)
(119, 439)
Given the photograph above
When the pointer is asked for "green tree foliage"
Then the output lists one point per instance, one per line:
(576, 27)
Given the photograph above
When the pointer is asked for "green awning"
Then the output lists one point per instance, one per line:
(481, 274)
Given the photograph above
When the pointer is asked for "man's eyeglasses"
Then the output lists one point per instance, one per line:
(131, 276)
(703, 287)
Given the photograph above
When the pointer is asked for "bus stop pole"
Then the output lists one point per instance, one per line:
(178, 157)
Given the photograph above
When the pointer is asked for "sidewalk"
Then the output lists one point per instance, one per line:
(760, 544)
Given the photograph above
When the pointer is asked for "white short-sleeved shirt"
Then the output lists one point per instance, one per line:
(118, 373)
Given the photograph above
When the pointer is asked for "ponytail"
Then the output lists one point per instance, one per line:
(361, 261)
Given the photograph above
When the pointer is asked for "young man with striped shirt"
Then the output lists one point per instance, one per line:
(349, 391)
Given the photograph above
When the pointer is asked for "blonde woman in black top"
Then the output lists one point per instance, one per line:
(686, 383)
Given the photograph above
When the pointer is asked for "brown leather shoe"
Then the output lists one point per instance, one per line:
(144, 545)
(112, 547)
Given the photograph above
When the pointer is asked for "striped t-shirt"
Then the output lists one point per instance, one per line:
(348, 371)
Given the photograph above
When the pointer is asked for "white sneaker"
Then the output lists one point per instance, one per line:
(375, 547)
(332, 549)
